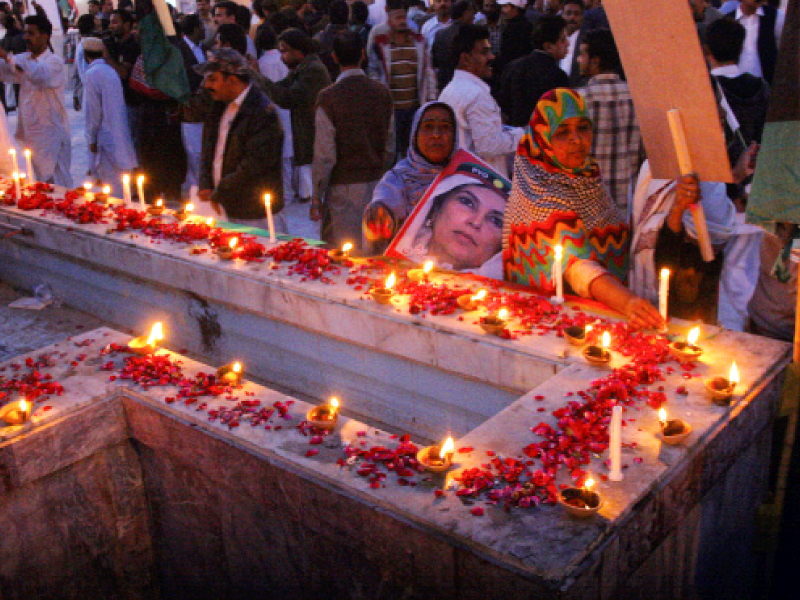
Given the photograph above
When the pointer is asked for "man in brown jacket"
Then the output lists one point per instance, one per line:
(353, 123)
(298, 92)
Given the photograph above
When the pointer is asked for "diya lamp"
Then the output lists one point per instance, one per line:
(324, 416)
(688, 350)
(599, 355)
(470, 302)
(577, 335)
(582, 501)
(210, 222)
(420, 274)
(230, 374)
(340, 256)
(87, 191)
(495, 323)
(437, 459)
(16, 413)
(383, 295)
(147, 345)
(226, 252)
(720, 389)
(156, 209)
(184, 212)
(673, 431)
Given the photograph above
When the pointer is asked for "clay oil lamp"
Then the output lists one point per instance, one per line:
(103, 195)
(673, 431)
(470, 302)
(599, 355)
(226, 252)
(147, 345)
(581, 502)
(230, 374)
(157, 209)
(720, 389)
(383, 295)
(420, 274)
(87, 191)
(16, 413)
(495, 324)
(184, 212)
(577, 335)
(688, 350)
(340, 256)
(437, 459)
(324, 416)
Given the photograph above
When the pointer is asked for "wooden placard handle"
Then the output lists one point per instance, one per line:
(685, 166)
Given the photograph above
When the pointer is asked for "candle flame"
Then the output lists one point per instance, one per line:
(126, 179)
(426, 268)
(606, 339)
(347, 247)
(237, 367)
(232, 243)
(27, 153)
(734, 378)
(210, 222)
(140, 179)
(662, 416)
(267, 200)
(588, 484)
(664, 273)
(502, 314)
(334, 404)
(15, 176)
(447, 448)
(588, 328)
(390, 281)
(12, 151)
(559, 251)
(23, 405)
(156, 334)
(106, 189)
(87, 185)
(479, 296)
(189, 207)
(693, 335)
(159, 202)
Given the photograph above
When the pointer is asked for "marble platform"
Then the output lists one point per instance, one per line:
(112, 492)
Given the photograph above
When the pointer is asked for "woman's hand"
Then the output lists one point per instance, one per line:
(642, 314)
(378, 223)
(687, 192)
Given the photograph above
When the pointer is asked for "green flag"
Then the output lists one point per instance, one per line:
(163, 63)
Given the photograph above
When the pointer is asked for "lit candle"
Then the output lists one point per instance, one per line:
(23, 409)
(447, 448)
(156, 335)
(427, 267)
(126, 189)
(734, 376)
(140, 190)
(16, 185)
(29, 164)
(13, 153)
(270, 221)
(479, 296)
(662, 417)
(210, 222)
(390, 281)
(558, 273)
(606, 340)
(346, 249)
(615, 443)
(107, 192)
(663, 293)
(232, 243)
(159, 203)
(334, 405)
(87, 188)
(694, 333)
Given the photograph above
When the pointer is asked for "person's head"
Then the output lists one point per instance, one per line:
(92, 48)
(435, 135)
(224, 12)
(724, 41)
(473, 52)
(203, 7)
(463, 11)
(338, 12)
(108, 6)
(93, 7)
(550, 35)
(348, 49)
(359, 13)
(552, 7)
(598, 54)
(294, 46)
(748, 7)
(396, 16)
(466, 222)
(38, 30)
(491, 9)
(559, 135)
(511, 9)
(120, 23)
(243, 17)
(192, 28)
(266, 38)
(225, 74)
(264, 8)
(230, 35)
(573, 14)
(85, 24)
(442, 8)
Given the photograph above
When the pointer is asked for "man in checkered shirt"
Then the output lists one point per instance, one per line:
(617, 143)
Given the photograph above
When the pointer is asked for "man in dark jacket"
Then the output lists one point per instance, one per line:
(526, 79)
(515, 39)
(242, 140)
(298, 92)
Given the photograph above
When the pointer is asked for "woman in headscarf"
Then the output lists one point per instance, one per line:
(557, 197)
(434, 141)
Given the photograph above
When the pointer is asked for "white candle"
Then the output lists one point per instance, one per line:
(663, 293)
(558, 273)
(126, 189)
(140, 189)
(13, 153)
(16, 185)
(29, 165)
(270, 222)
(615, 443)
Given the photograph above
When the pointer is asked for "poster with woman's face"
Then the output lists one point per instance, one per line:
(458, 223)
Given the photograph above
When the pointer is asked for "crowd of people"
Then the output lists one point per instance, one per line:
(356, 108)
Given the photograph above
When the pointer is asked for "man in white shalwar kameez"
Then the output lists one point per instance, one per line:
(43, 125)
(107, 132)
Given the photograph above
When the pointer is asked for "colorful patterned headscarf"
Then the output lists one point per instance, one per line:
(553, 108)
